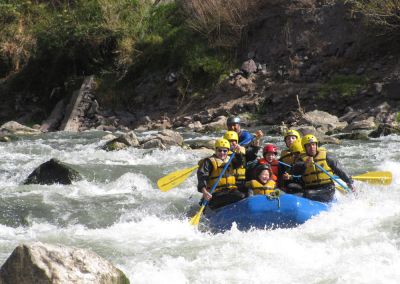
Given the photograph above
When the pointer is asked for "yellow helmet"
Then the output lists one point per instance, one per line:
(231, 135)
(222, 143)
(292, 132)
(296, 147)
(309, 138)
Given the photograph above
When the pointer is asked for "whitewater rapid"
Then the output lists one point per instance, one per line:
(118, 212)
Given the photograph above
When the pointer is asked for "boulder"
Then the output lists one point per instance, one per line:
(170, 138)
(355, 135)
(248, 67)
(201, 144)
(217, 125)
(322, 138)
(121, 142)
(361, 124)
(323, 121)
(114, 146)
(350, 115)
(4, 138)
(108, 137)
(129, 139)
(384, 130)
(56, 264)
(13, 127)
(195, 126)
(325, 139)
(51, 172)
(153, 143)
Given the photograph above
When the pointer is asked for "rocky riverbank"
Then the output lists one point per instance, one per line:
(306, 64)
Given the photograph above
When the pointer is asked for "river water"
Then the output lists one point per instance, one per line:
(118, 212)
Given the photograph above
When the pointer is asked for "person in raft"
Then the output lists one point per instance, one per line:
(209, 171)
(270, 152)
(263, 183)
(240, 172)
(291, 180)
(317, 184)
(286, 159)
(252, 144)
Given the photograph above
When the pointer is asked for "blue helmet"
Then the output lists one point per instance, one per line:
(233, 120)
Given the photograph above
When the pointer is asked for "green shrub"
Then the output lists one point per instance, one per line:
(344, 85)
(171, 45)
(48, 42)
(384, 14)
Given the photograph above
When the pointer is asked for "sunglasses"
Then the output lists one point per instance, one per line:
(222, 150)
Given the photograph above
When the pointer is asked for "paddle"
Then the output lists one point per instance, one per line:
(196, 218)
(333, 178)
(382, 178)
(176, 178)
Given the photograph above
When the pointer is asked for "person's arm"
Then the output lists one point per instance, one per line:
(203, 174)
(238, 160)
(282, 174)
(338, 170)
(251, 152)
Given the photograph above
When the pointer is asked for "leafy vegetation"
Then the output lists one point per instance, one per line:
(383, 14)
(344, 85)
(44, 43)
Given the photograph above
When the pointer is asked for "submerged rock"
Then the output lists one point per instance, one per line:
(51, 172)
(47, 264)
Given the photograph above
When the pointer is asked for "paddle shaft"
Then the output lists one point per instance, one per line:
(333, 178)
(196, 218)
(219, 178)
(174, 179)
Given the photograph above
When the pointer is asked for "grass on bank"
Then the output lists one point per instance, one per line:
(345, 85)
(384, 14)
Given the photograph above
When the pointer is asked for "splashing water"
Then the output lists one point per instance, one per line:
(118, 212)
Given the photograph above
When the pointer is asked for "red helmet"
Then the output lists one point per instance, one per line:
(270, 148)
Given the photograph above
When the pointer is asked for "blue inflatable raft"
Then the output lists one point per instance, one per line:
(261, 212)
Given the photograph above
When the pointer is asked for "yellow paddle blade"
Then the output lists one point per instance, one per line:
(196, 218)
(382, 178)
(174, 179)
(341, 189)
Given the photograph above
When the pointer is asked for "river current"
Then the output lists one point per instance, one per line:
(118, 212)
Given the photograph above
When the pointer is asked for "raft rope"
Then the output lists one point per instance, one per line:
(275, 195)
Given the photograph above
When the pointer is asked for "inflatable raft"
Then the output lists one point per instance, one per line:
(262, 212)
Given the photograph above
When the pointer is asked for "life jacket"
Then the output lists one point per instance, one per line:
(313, 176)
(287, 157)
(240, 172)
(227, 180)
(259, 188)
(274, 167)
